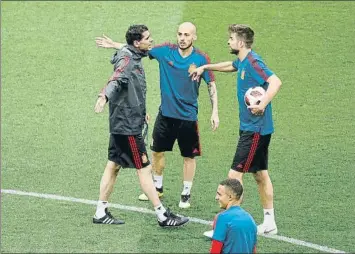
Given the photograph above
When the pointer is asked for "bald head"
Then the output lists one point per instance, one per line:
(187, 27)
(186, 35)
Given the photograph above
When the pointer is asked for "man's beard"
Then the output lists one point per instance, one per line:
(143, 52)
(234, 51)
(188, 46)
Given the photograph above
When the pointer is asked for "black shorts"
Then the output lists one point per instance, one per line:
(252, 152)
(167, 130)
(127, 151)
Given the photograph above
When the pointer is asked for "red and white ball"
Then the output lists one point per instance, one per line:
(254, 95)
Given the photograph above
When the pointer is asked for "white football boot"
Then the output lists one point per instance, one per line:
(267, 229)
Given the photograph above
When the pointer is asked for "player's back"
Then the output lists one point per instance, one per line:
(242, 231)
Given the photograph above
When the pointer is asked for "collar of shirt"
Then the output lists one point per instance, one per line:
(137, 53)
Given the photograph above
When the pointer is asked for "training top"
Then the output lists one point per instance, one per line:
(126, 92)
(179, 93)
(237, 230)
(252, 71)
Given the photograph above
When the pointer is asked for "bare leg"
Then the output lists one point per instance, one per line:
(158, 163)
(189, 169)
(147, 185)
(265, 189)
(189, 173)
(233, 174)
(266, 193)
(108, 180)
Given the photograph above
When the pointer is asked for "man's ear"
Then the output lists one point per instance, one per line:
(242, 44)
(136, 44)
(194, 37)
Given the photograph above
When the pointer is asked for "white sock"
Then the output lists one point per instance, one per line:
(159, 211)
(158, 181)
(187, 188)
(100, 209)
(269, 217)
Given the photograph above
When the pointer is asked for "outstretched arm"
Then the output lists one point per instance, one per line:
(107, 42)
(222, 67)
(212, 91)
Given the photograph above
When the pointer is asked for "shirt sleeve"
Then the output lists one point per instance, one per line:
(259, 71)
(220, 231)
(216, 247)
(236, 63)
(119, 78)
(208, 76)
(158, 51)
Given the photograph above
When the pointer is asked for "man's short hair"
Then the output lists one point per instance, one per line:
(135, 33)
(243, 32)
(234, 186)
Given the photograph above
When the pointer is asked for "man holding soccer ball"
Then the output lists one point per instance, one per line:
(256, 124)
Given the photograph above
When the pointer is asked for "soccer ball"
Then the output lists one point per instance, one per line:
(254, 95)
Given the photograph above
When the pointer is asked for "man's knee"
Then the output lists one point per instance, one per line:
(233, 174)
(145, 171)
(158, 161)
(158, 155)
(261, 177)
(188, 160)
(113, 167)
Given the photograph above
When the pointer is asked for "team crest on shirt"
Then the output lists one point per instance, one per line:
(242, 74)
(192, 67)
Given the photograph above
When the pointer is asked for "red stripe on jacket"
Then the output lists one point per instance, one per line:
(116, 74)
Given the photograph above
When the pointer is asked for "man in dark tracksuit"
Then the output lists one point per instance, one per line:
(126, 94)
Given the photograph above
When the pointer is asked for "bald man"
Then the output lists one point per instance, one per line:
(177, 117)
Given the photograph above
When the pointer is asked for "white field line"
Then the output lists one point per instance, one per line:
(144, 210)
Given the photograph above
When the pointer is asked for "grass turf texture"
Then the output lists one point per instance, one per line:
(52, 142)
